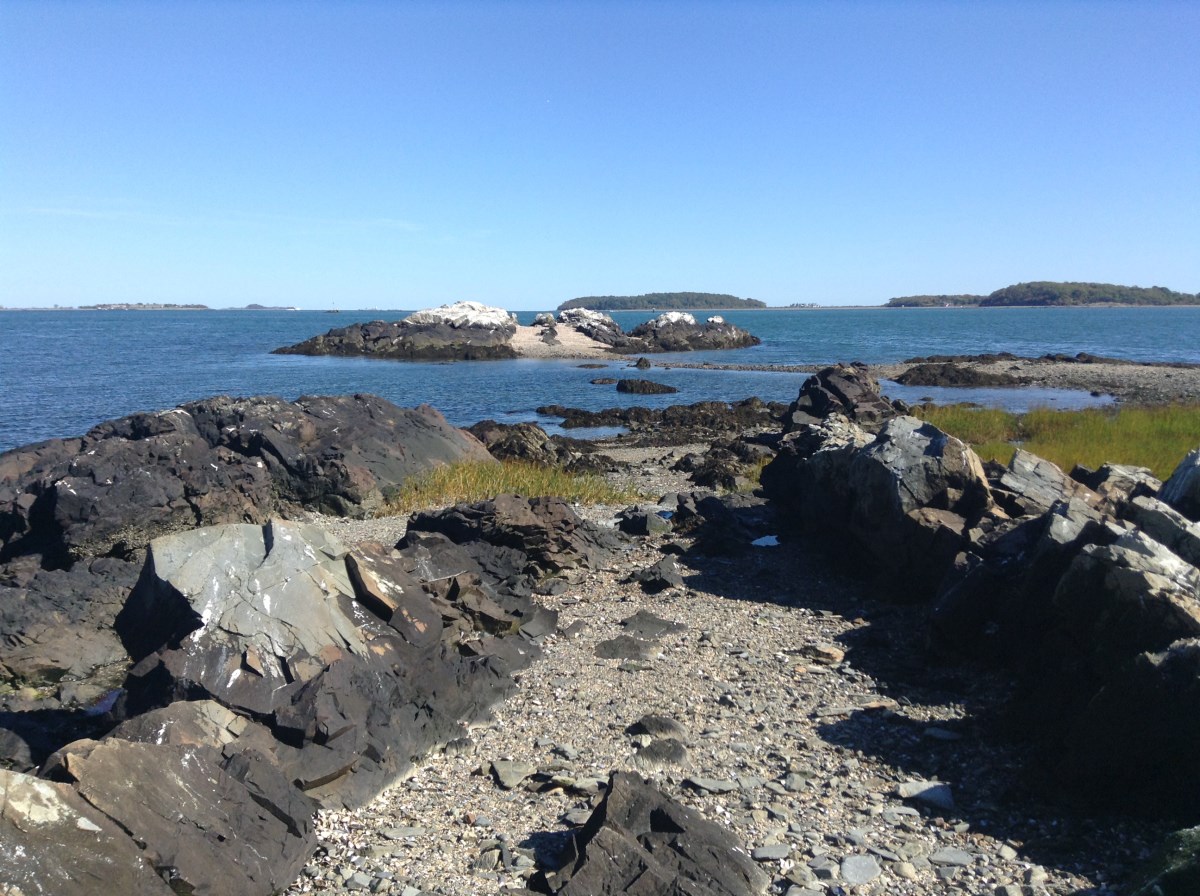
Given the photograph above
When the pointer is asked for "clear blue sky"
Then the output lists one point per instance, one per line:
(403, 155)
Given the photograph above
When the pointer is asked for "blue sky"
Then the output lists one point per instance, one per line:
(402, 155)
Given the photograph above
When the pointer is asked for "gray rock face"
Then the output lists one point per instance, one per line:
(1128, 597)
(57, 844)
(57, 624)
(1166, 526)
(1032, 485)
(906, 498)
(1182, 490)
(594, 324)
(640, 841)
(464, 331)
(247, 606)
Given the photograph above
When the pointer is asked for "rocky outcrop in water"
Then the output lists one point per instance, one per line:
(463, 331)
(673, 331)
(644, 387)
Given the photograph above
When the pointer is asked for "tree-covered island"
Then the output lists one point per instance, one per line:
(662, 301)
(1046, 293)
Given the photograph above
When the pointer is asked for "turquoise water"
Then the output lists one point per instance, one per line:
(63, 372)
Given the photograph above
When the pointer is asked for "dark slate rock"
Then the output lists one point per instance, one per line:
(214, 461)
(644, 387)
(1136, 740)
(951, 374)
(1175, 869)
(660, 576)
(844, 389)
(640, 841)
(551, 535)
(58, 624)
(643, 520)
(677, 331)
(57, 844)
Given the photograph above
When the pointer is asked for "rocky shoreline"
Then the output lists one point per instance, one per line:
(890, 670)
(1129, 382)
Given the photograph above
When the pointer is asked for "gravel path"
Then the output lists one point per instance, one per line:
(805, 711)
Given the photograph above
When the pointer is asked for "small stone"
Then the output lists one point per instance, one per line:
(1006, 852)
(401, 833)
(658, 726)
(1008, 890)
(905, 870)
(932, 793)
(859, 869)
(510, 773)
(771, 853)
(712, 785)
(951, 856)
(946, 873)
(358, 881)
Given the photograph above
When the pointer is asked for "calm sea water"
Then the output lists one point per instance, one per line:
(63, 372)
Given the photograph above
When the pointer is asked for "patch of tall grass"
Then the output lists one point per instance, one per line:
(475, 481)
(1157, 436)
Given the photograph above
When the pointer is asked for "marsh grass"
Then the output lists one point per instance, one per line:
(474, 481)
(1157, 437)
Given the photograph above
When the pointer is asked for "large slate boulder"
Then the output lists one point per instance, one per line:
(214, 461)
(638, 840)
(236, 612)
(1032, 485)
(55, 843)
(463, 331)
(206, 824)
(905, 499)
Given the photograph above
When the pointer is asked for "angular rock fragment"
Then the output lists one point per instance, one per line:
(640, 841)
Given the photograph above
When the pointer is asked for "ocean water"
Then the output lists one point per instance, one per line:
(62, 372)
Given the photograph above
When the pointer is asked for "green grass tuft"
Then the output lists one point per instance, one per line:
(475, 481)
(1157, 437)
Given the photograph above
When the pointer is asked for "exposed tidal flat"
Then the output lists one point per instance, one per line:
(64, 372)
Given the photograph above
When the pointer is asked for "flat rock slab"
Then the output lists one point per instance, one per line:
(624, 647)
(932, 793)
(646, 625)
(857, 870)
(510, 773)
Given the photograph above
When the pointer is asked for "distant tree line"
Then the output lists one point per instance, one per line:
(1045, 293)
(667, 301)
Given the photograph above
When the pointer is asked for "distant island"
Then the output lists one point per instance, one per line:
(142, 306)
(662, 301)
(1045, 294)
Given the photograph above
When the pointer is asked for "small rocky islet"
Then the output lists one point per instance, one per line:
(892, 669)
(470, 331)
